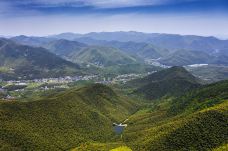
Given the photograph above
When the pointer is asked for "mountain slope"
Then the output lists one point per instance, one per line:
(168, 41)
(31, 41)
(172, 81)
(185, 57)
(32, 62)
(63, 121)
(102, 56)
(141, 49)
(201, 98)
(63, 47)
(201, 124)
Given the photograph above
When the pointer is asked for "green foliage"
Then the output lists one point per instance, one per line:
(203, 126)
(130, 68)
(202, 130)
(173, 81)
(105, 56)
(64, 121)
(201, 98)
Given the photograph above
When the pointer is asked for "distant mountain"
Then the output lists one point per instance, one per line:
(64, 121)
(102, 56)
(173, 81)
(143, 50)
(209, 73)
(32, 62)
(67, 36)
(32, 41)
(168, 41)
(64, 47)
(186, 57)
(172, 42)
(150, 45)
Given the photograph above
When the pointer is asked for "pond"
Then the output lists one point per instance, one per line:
(119, 129)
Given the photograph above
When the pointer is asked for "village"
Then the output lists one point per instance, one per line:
(11, 90)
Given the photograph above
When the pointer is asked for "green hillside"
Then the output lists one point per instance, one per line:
(64, 47)
(140, 49)
(201, 98)
(33, 62)
(102, 56)
(210, 73)
(63, 121)
(204, 127)
(172, 81)
(186, 57)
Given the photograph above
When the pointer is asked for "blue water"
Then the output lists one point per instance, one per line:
(118, 129)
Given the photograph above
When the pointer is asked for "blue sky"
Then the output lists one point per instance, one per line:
(45, 17)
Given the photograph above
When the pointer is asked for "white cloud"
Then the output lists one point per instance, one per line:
(95, 3)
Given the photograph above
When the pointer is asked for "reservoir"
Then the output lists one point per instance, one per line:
(118, 128)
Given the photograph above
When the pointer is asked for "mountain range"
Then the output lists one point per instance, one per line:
(143, 45)
(29, 62)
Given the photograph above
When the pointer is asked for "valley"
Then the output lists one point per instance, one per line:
(115, 91)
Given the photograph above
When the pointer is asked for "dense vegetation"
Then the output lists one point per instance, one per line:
(104, 56)
(168, 110)
(63, 121)
(201, 98)
(173, 81)
(203, 128)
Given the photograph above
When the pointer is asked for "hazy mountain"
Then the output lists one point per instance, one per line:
(169, 41)
(186, 57)
(102, 56)
(67, 36)
(32, 62)
(172, 81)
(32, 41)
(64, 47)
(141, 49)
(209, 73)
(146, 45)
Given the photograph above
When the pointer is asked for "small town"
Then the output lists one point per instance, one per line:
(8, 89)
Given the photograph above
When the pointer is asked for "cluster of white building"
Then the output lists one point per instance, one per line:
(66, 79)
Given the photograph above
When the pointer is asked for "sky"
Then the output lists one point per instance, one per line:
(47, 17)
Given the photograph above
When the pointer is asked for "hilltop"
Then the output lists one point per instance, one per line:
(172, 81)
